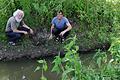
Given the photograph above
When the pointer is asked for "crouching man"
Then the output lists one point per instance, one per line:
(16, 28)
(60, 27)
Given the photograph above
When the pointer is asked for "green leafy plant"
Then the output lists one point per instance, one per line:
(43, 67)
(71, 68)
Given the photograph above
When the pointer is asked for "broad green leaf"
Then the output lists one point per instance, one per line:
(40, 61)
(37, 69)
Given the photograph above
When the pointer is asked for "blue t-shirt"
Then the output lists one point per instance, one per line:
(60, 24)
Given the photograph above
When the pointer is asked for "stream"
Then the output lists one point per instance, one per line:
(23, 69)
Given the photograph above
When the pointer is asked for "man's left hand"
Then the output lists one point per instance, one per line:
(62, 33)
(31, 31)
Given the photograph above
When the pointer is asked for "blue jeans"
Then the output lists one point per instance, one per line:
(15, 36)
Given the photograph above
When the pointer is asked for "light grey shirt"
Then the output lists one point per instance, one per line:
(11, 24)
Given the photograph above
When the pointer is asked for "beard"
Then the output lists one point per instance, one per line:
(18, 20)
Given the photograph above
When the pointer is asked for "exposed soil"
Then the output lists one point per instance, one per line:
(41, 46)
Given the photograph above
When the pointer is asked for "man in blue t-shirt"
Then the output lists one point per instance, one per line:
(60, 26)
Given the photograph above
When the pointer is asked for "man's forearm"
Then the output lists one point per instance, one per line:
(18, 31)
(68, 29)
(51, 29)
(26, 26)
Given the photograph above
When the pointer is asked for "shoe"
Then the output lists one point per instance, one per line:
(62, 40)
(12, 43)
(57, 39)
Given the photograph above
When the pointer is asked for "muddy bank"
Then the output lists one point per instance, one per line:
(40, 46)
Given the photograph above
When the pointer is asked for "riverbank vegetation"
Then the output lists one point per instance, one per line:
(94, 20)
(106, 64)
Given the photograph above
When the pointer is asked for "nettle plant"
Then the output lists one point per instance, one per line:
(70, 65)
(71, 68)
(43, 67)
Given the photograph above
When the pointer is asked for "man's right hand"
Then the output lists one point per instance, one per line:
(51, 36)
(25, 32)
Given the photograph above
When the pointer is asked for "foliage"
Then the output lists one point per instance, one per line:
(72, 65)
(95, 17)
(72, 68)
(43, 67)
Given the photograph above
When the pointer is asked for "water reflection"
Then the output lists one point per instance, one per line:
(23, 69)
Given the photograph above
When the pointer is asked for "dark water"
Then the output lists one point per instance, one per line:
(23, 69)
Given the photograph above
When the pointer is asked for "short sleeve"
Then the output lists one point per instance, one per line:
(53, 20)
(66, 21)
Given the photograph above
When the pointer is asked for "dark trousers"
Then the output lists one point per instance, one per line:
(56, 32)
(15, 36)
